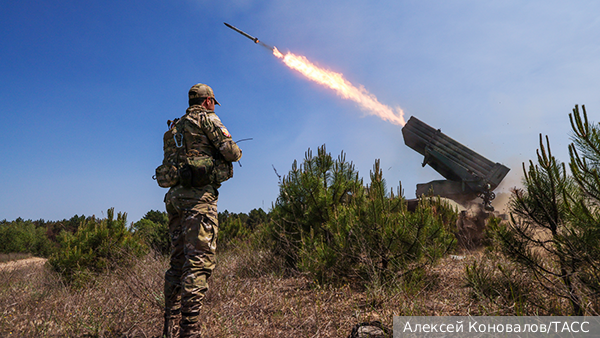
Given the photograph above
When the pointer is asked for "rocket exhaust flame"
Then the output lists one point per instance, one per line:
(335, 81)
(342, 87)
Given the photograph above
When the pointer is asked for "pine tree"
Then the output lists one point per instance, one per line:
(327, 223)
(554, 233)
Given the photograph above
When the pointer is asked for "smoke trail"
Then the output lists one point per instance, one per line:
(342, 87)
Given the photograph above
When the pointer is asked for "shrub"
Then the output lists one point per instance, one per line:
(231, 226)
(97, 246)
(327, 223)
(53, 229)
(153, 229)
(554, 233)
(309, 196)
(22, 236)
(240, 227)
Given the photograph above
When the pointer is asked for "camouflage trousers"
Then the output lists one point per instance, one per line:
(193, 230)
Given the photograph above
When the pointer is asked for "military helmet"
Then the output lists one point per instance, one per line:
(201, 90)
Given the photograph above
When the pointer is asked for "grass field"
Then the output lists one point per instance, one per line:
(249, 297)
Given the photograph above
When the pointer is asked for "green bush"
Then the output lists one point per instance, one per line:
(22, 236)
(153, 229)
(327, 223)
(54, 228)
(554, 233)
(309, 196)
(239, 227)
(97, 246)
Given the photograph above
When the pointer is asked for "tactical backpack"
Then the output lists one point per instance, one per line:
(181, 166)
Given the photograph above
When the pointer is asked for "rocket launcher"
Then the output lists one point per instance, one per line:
(468, 174)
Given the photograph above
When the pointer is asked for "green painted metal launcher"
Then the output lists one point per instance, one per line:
(468, 174)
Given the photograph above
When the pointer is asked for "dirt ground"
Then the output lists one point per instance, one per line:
(22, 263)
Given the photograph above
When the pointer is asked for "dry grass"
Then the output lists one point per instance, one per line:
(25, 262)
(249, 297)
(34, 302)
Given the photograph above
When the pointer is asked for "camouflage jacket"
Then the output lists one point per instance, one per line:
(205, 134)
(202, 135)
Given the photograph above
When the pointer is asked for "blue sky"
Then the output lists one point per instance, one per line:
(86, 88)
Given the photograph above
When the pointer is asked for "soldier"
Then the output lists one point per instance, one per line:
(199, 150)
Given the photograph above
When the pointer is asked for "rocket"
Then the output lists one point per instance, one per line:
(242, 32)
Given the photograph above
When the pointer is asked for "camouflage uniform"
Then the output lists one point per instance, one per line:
(193, 223)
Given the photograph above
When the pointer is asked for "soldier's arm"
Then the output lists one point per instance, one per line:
(221, 138)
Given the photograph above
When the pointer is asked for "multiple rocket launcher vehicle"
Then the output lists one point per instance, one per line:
(468, 174)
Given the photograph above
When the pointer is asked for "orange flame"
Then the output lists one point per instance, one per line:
(342, 87)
